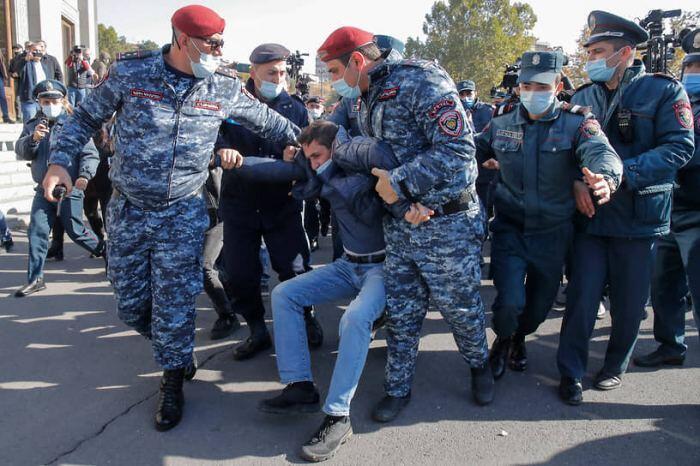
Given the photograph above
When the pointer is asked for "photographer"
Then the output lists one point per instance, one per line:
(33, 145)
(79, 75)
(37, 67)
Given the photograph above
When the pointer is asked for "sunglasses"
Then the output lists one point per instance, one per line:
(215, 44)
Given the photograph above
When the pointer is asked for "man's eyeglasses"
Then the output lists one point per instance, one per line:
(215, 44)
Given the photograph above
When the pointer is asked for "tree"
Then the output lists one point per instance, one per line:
(110, 41)
(475, 39)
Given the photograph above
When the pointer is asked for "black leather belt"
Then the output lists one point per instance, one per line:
(464, 202)
(371, 259)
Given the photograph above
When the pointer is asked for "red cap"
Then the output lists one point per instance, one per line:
(198, 21)
(343, 40)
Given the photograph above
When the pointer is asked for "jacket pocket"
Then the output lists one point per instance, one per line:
(653, 204)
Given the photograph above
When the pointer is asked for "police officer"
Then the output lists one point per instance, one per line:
(169, 104)
(677, 268)
(648, 121)
(33, 145)
(253, 211)
(436, 262)
(541, 145)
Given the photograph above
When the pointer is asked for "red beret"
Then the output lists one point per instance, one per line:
(343, 40)
(198, 21)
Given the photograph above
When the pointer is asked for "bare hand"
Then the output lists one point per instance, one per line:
(584, 203)
(81, 183)
(289, 153)
(230, 158)
(599, 185)
(40, 132)
(56, 175)
(491, 164)
(418, 214)
(384, 188)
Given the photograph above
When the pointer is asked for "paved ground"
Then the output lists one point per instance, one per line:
(76, 387)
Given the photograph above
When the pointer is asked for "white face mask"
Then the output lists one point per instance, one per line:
(316, 113)
(52, 111)
(207, 64)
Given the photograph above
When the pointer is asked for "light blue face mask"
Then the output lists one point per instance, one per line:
(342, 88)
(599, 71)
(207, 64)
(537, 102)
(321, 168)
(691, 81)
(468, 103)
(269, 90)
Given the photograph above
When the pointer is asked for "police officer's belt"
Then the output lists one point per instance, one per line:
(464, 202)
(370, 259)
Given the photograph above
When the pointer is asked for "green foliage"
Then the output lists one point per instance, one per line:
(110, 41)
(475, 39)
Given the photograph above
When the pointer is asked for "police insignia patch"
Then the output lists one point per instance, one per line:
(536, 59)
(590, 128)
(444, 103)
(684, 114)
(207, 105)
(451, 123)
(388, 94)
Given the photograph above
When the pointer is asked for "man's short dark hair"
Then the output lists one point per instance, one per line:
(321, 131)
(619, 43)
(370, 51)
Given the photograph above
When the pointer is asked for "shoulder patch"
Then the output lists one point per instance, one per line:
(137, 54)
(226, 71)
(441, 105)
(583, 86)
(590, 128)
(684, 114)
(451, 123)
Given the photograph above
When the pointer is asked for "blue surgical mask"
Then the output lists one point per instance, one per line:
(207, 64)
(321, 168)
(537, 102)
(468, 103)
(691, 81)
(599, 71)
(341, 87)
(269, 90)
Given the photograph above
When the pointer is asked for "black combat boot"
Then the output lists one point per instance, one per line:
(518, 353)
(498, 356)
(170, 400)
(571, 391)
(389, 407)
(224, 326)
(258, 341)
(191, 370)
(314, 332)
(296, 398)
(482, 384)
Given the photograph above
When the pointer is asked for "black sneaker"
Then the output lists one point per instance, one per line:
(659, 358)
(224, 326)
(8, 245)
(252, 346)
(334, 432)
(296, 398)
(571, 391)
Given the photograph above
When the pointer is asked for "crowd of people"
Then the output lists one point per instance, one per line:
(213, 180)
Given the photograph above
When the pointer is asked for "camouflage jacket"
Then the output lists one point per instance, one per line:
(164, 143)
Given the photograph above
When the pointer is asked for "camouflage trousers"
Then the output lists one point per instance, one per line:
(436, 265)
(155, 265)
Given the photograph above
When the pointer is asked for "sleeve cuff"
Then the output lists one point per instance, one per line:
(398, 183)
(60, 159)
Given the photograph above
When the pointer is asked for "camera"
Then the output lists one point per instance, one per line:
(659, 49)
(294, 64)
(510, 77)
(37, 53)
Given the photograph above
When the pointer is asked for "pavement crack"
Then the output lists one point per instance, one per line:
(126, 411)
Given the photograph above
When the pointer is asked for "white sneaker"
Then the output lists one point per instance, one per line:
(560, 301)
(601, 311)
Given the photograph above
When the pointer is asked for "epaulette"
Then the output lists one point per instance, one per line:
(583, 86)
(504, 108)
(665, 76)
(227, 71)
(418, 63)
(578, 109)
(296, 97)
(136, 54)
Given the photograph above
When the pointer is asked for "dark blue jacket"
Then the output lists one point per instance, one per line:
(346, 114)
(539, 162)
(271, 199)
(52, 70)
(481, 114)
(84, 165)
(686, 196)
(662, 143)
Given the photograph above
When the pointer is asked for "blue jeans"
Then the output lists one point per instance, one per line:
(338, 280)
(29, 109)
(5, 234)
(75, 95)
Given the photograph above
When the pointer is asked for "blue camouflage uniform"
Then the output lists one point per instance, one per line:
(677, 267)
(413, 106)
(44, 213)
(615, 246)
(167, 124)
(532, 230)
